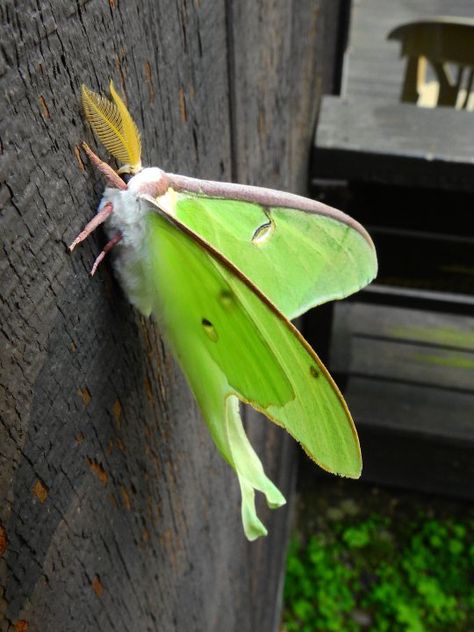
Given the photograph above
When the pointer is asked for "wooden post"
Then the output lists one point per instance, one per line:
(116, 512)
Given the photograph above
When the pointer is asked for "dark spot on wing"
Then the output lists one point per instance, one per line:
(226, 297)
(314, 372)
(264, 231)
(209, 329)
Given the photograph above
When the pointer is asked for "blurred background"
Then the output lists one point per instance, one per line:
(394, 146)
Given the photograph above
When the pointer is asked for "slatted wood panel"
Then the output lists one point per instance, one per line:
(424, 240)
(407, 374)
(405, 346)
(446, 261)
(373, 67)
(368, 135)
(367, 139)
(116, 512)
(409, 381)
(405, 407)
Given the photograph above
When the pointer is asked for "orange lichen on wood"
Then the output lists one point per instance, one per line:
(120, 445)
(182, 106)
(148, 390)
(98, 470)
(21, 625)
(86, 395)
(3, 540)
(127, 503)
(77, 154)
(262, 125)
(167, 539)
(40, 490)
(117, 412)
(118, 65)
(149, 82)
(97, 586)
(44, 107)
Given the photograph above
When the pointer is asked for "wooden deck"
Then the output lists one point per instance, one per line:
(403, 351)
(407, 373)
(367, 133)
(372, 139)
(410, 387)
(373, 67)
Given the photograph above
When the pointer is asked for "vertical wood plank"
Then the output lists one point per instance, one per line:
(277, 71)
(118, 509)
(116, 512)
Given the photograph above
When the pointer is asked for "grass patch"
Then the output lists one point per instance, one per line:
(380, 562)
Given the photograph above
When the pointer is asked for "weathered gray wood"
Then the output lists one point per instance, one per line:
(282, 61)
(425, 411)
(279, 65)
(444, 302)
(448, 331)
(407, 375)
(404, 346)
(391, 359)
(377, 140)
(368, 135)
(418, 462)
(408, 378)
(373, 66)
(423, 463)
(116, 512)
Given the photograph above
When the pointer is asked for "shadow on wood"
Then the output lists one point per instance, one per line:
(116, 511)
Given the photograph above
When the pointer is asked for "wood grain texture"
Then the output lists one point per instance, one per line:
(446, 467)
(116, 511)
(408, 377)
(404, 346)
(415, 410)
(278, 72)
(430, 354)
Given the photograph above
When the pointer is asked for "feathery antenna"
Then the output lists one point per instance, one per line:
(114, 127)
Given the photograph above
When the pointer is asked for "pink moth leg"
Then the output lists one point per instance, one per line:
(115, 181)
(96, 221)
(111, 176)
(107, 248)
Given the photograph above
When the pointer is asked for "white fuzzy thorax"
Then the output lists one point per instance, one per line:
(131, 261)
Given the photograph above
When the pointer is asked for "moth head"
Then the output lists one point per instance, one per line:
(114, 127)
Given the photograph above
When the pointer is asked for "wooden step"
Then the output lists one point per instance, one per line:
(379, 140)
(408, 377)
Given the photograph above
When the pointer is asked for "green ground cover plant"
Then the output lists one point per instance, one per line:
(389, 565)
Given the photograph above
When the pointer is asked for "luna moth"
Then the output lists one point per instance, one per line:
(224, 268)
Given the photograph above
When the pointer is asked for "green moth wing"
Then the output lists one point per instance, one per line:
(233, 344)
(222, 266)
(298, 252)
